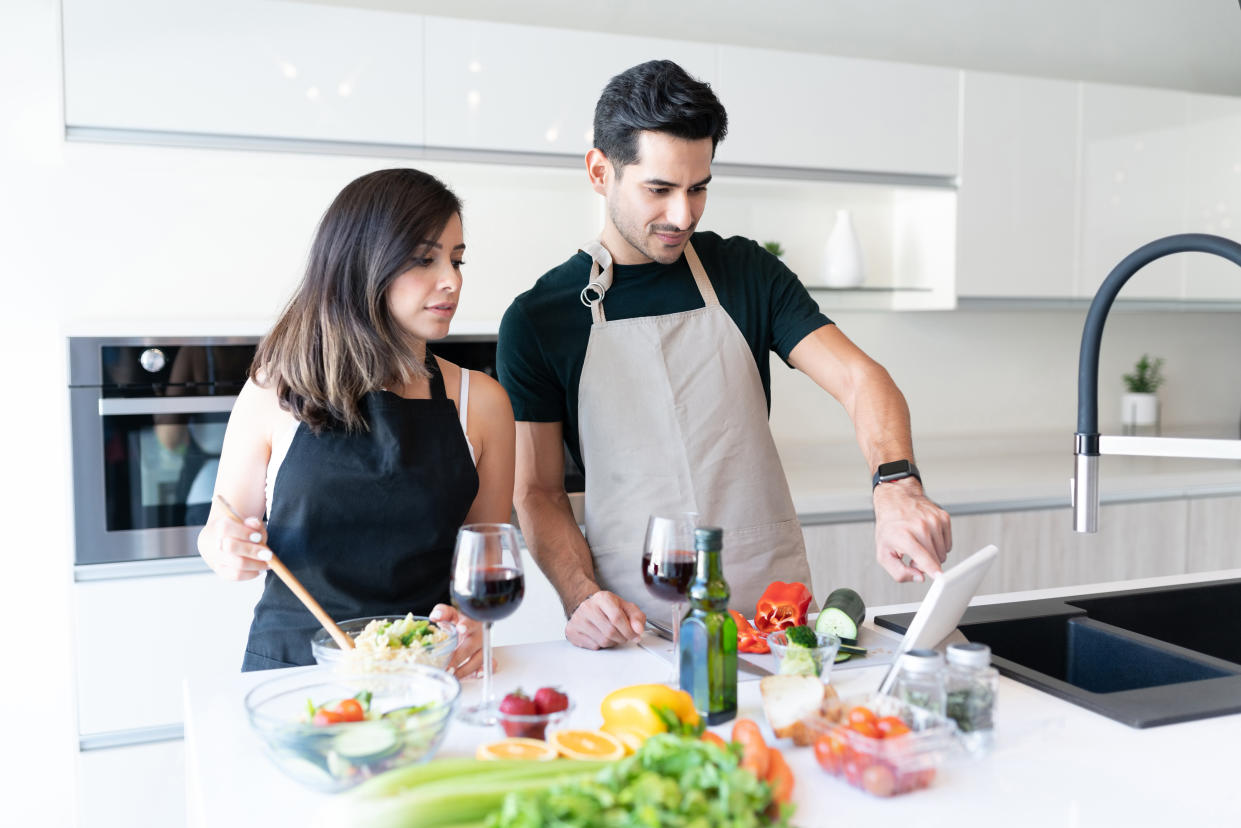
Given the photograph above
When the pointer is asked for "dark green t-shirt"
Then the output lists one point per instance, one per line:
(543, 335)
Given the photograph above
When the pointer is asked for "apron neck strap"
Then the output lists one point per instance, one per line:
(436, 379)
(601, 278)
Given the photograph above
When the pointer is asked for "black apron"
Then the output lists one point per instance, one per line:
(366, 520)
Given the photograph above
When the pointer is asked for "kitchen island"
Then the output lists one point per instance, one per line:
(1054, 764)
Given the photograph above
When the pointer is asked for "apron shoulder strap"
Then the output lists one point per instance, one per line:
(700, 276)
(600, 279)
(437, 381)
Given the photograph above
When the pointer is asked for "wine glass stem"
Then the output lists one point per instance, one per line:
(487, 664)
(676, 644)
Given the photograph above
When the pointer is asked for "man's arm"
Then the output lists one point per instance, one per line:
(907, 523)
(597, 619)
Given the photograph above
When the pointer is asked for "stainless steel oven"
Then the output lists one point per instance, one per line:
(147, 418)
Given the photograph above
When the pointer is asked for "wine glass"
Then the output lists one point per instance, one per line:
(668, 564)
(487, 584)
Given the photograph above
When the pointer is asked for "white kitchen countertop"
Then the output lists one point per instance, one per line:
(1054, 764)
(830, 482)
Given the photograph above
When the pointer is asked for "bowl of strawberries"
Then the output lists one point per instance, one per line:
(529, 716)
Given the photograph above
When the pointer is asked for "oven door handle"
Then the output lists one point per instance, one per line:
(109, 406)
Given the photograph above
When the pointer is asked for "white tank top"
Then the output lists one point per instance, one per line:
(283, 438)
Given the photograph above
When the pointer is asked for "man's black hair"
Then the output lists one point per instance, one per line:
(658, 96)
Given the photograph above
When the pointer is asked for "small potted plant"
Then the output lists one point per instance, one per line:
(774, 248)
(1140, 406)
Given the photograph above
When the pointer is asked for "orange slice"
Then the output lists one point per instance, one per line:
(630, 740)
(516, 747)
(587, 744)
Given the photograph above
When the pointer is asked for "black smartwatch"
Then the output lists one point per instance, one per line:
(896, 470)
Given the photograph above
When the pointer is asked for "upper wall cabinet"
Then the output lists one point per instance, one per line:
(496, 86)
(241, 68)
(801, 110)
(1213, 192)
(1016, 204)
(1134, 165)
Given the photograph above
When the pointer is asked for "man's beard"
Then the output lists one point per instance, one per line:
(639, 238)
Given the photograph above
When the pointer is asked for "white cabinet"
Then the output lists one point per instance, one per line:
(801, 110)
(138, 638)
(1213, 193)
(243, 68)
(1016, 204)
(497, 86)
(132, 787)
(1134, 165)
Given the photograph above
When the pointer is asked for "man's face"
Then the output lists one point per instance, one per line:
(655, 205)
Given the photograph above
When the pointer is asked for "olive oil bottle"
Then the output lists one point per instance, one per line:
(709, 634)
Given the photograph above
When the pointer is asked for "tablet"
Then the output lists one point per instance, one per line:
(943, 606)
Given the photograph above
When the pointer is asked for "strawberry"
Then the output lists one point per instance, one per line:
(550, 700)
(518, 703)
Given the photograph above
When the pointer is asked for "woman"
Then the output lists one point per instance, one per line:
(365, 451)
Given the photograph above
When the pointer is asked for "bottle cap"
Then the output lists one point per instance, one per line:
(708, 538)
(973, 655)
(921, 661)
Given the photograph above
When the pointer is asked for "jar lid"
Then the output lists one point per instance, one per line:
(921, 661)
(970, 655)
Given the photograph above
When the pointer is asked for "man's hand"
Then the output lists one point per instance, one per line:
(604, 620)
(909, 526)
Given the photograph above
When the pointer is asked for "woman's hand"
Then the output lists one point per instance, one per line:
(467, 659)
(236, 551)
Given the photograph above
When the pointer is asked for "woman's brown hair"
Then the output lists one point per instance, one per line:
(336, 340)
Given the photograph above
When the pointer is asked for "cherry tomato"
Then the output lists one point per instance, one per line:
(891, 726)
(826, 755)
(350, 710)
(878, 780)
(324, 717)
(861, 714)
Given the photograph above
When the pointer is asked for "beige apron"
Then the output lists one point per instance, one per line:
(672, 417)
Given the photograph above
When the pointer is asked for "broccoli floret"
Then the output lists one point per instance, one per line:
(799, 662)
(801, 636)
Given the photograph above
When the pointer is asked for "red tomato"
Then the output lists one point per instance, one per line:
(840, 746)
(891, 726)
(866, 727)
(878, 780)
(826, 755)
(861, 714)
(324, 717)
(350, 710)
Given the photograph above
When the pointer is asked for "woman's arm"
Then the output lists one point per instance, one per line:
(490, 426)
(234, 551)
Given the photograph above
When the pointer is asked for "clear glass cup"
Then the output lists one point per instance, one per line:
(487, 584)
(668, 567)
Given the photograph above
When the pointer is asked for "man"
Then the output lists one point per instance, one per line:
(646, 354)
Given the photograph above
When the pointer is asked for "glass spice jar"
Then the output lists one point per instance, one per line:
(920, 681)
(971, 685)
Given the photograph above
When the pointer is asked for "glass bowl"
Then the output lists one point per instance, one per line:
(409, 711)
(811, 661)
(533, 726)
(359, 660)
(883, 766)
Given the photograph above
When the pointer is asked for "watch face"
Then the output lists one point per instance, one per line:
(895, 467)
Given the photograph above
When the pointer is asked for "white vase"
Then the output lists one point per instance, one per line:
(1139, 409)
(843, 268)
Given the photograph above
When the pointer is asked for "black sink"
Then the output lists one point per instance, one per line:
(1143, 657)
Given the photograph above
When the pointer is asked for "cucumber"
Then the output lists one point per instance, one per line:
(365, 742)
(842, 614)
(403, 713)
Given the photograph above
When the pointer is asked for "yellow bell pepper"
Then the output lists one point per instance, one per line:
(633, 713)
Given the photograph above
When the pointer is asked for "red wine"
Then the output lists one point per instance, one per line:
(669, 576)
(492, 592)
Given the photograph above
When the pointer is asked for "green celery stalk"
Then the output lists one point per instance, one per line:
(401, 780)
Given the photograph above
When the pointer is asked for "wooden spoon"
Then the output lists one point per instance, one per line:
(290, 580)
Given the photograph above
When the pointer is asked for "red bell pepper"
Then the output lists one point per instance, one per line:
(782, 606)
(749, 640)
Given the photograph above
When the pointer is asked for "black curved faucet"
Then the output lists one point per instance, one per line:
(1088, 445)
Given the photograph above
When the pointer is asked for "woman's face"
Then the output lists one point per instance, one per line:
(424, 298)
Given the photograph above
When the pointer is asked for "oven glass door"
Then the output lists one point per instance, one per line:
(159, 469)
